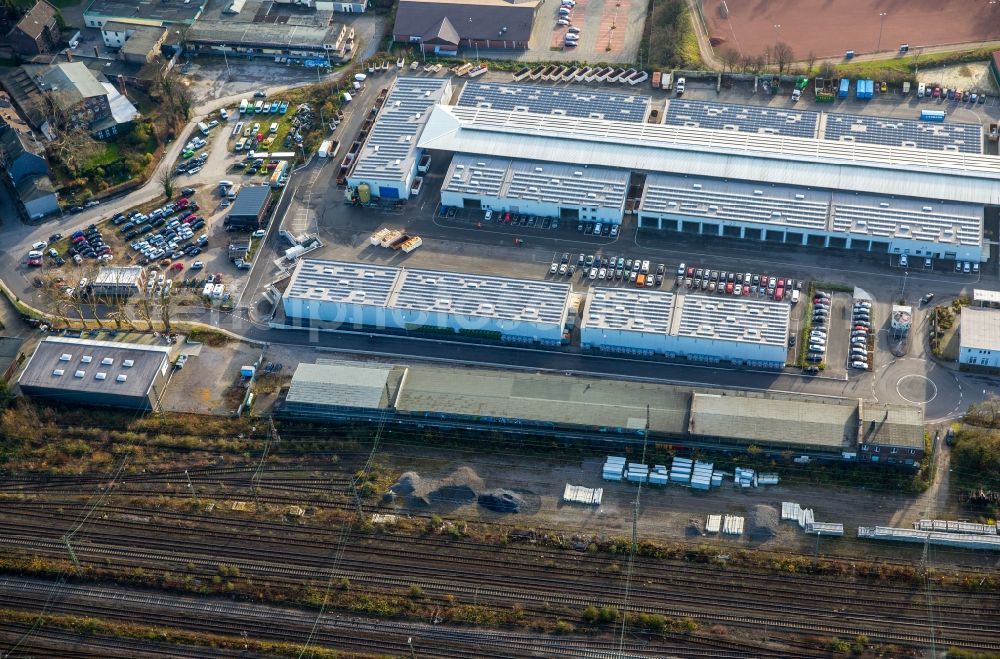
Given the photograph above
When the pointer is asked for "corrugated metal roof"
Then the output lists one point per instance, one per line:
(759, 419)
(720, 154)
(343, 384)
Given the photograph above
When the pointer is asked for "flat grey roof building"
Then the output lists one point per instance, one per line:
(733, 319)
(979, 329)
(753, 417)
(103, 373)
(543, 182)
(892, 425)
(546, 399)
(155, 12)
(339, 383)
(113, 279)
(337, 281)
(389, 154)
(637, 310)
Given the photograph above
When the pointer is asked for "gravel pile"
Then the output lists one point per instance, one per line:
(502, 501)
(460, 486)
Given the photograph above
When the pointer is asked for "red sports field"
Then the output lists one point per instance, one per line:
(828, 28)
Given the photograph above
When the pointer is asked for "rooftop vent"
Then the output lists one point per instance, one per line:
(101, 376)
(538, 169)
(800, 196)
(58, 372)
(696, 186)
(79, 374)
(884, 204)
(107, 361)
(128, 363)
(758, 192)
(928, 209)
(65, 357)
(121, 378)
(86, 359)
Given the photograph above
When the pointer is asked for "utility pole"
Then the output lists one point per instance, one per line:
(72, 554)
(635, 542)
(881, 24)
(190, 484)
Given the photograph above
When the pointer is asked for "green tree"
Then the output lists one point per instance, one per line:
(168, 183)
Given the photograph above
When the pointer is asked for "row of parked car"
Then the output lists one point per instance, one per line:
(861, 333)
(740, 284)
(819, 331)
(957, 95)
(637, 271)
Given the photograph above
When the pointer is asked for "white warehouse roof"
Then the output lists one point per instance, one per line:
(429, 291)
(638, 310)
(810, 209)
(980, 329)
(598, 187)
(390, 150)
(335, 281)
(484, 296)
(725, 318)
(781, 159)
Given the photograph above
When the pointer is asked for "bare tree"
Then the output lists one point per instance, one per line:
(783, 55)
(827, 70)
(810, 61)
(757, 63)
(730, 58)
(167, 181)
(746, 63)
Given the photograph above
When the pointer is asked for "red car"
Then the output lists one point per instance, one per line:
(506, 217)
(79, 239)
(182, 202)
(936, 93)
(177, 266)
(188, 217)
(35, 262)
(746, 290)
(729, 287)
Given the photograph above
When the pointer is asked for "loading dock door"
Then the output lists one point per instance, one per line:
(474, 204)
(569, 213)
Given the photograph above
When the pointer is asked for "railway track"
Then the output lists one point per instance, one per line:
(293, 626)
(445, 572)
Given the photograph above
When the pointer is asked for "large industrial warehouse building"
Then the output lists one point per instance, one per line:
(697, 327)
(389, 157)
(101, 373)
(576, 406)
(834, 180)
(332, 294)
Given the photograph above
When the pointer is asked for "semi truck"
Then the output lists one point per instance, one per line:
(800, 86)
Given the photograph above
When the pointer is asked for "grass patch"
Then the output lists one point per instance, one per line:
(209, 337)
(110, 154)
(669, 39)
(903, 68)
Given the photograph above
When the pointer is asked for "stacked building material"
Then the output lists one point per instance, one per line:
(745, 477)
(767, 479)
(793, 512)
(637, 472)
(659, 475)
(680, 471)
(713, 524)
(732, 525)
(614, 468)
(701, 477)
(948, 526)
(957, 540)
(585, 495)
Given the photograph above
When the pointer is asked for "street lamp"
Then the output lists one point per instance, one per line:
(881, 24)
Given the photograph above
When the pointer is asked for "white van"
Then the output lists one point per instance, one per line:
(274, 128)
(921, 90)
(795, 297)
(203, 127)
(243, 106)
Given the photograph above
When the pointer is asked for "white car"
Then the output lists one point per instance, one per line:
(859, 364)
(41, 244)
(197, 265)
(554, 268)
(574, 30)
(562, 22)
(224, 114)
(259, 233)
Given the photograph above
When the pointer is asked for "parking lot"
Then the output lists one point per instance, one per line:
(599, 41)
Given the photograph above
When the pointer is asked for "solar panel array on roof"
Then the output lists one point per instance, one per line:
(502, 298)
(392, 144)
(709, 199)
(560, 101)
(895, 218)
(964, 138)
(742, 118)
(629, 309)
(725, 319)
(597, 187)
(336, 281)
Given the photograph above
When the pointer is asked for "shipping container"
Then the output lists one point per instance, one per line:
(656, 79)
(845, 87)
(932, 115)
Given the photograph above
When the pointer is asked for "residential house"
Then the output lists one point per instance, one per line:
(443, 26)
(37, 32)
